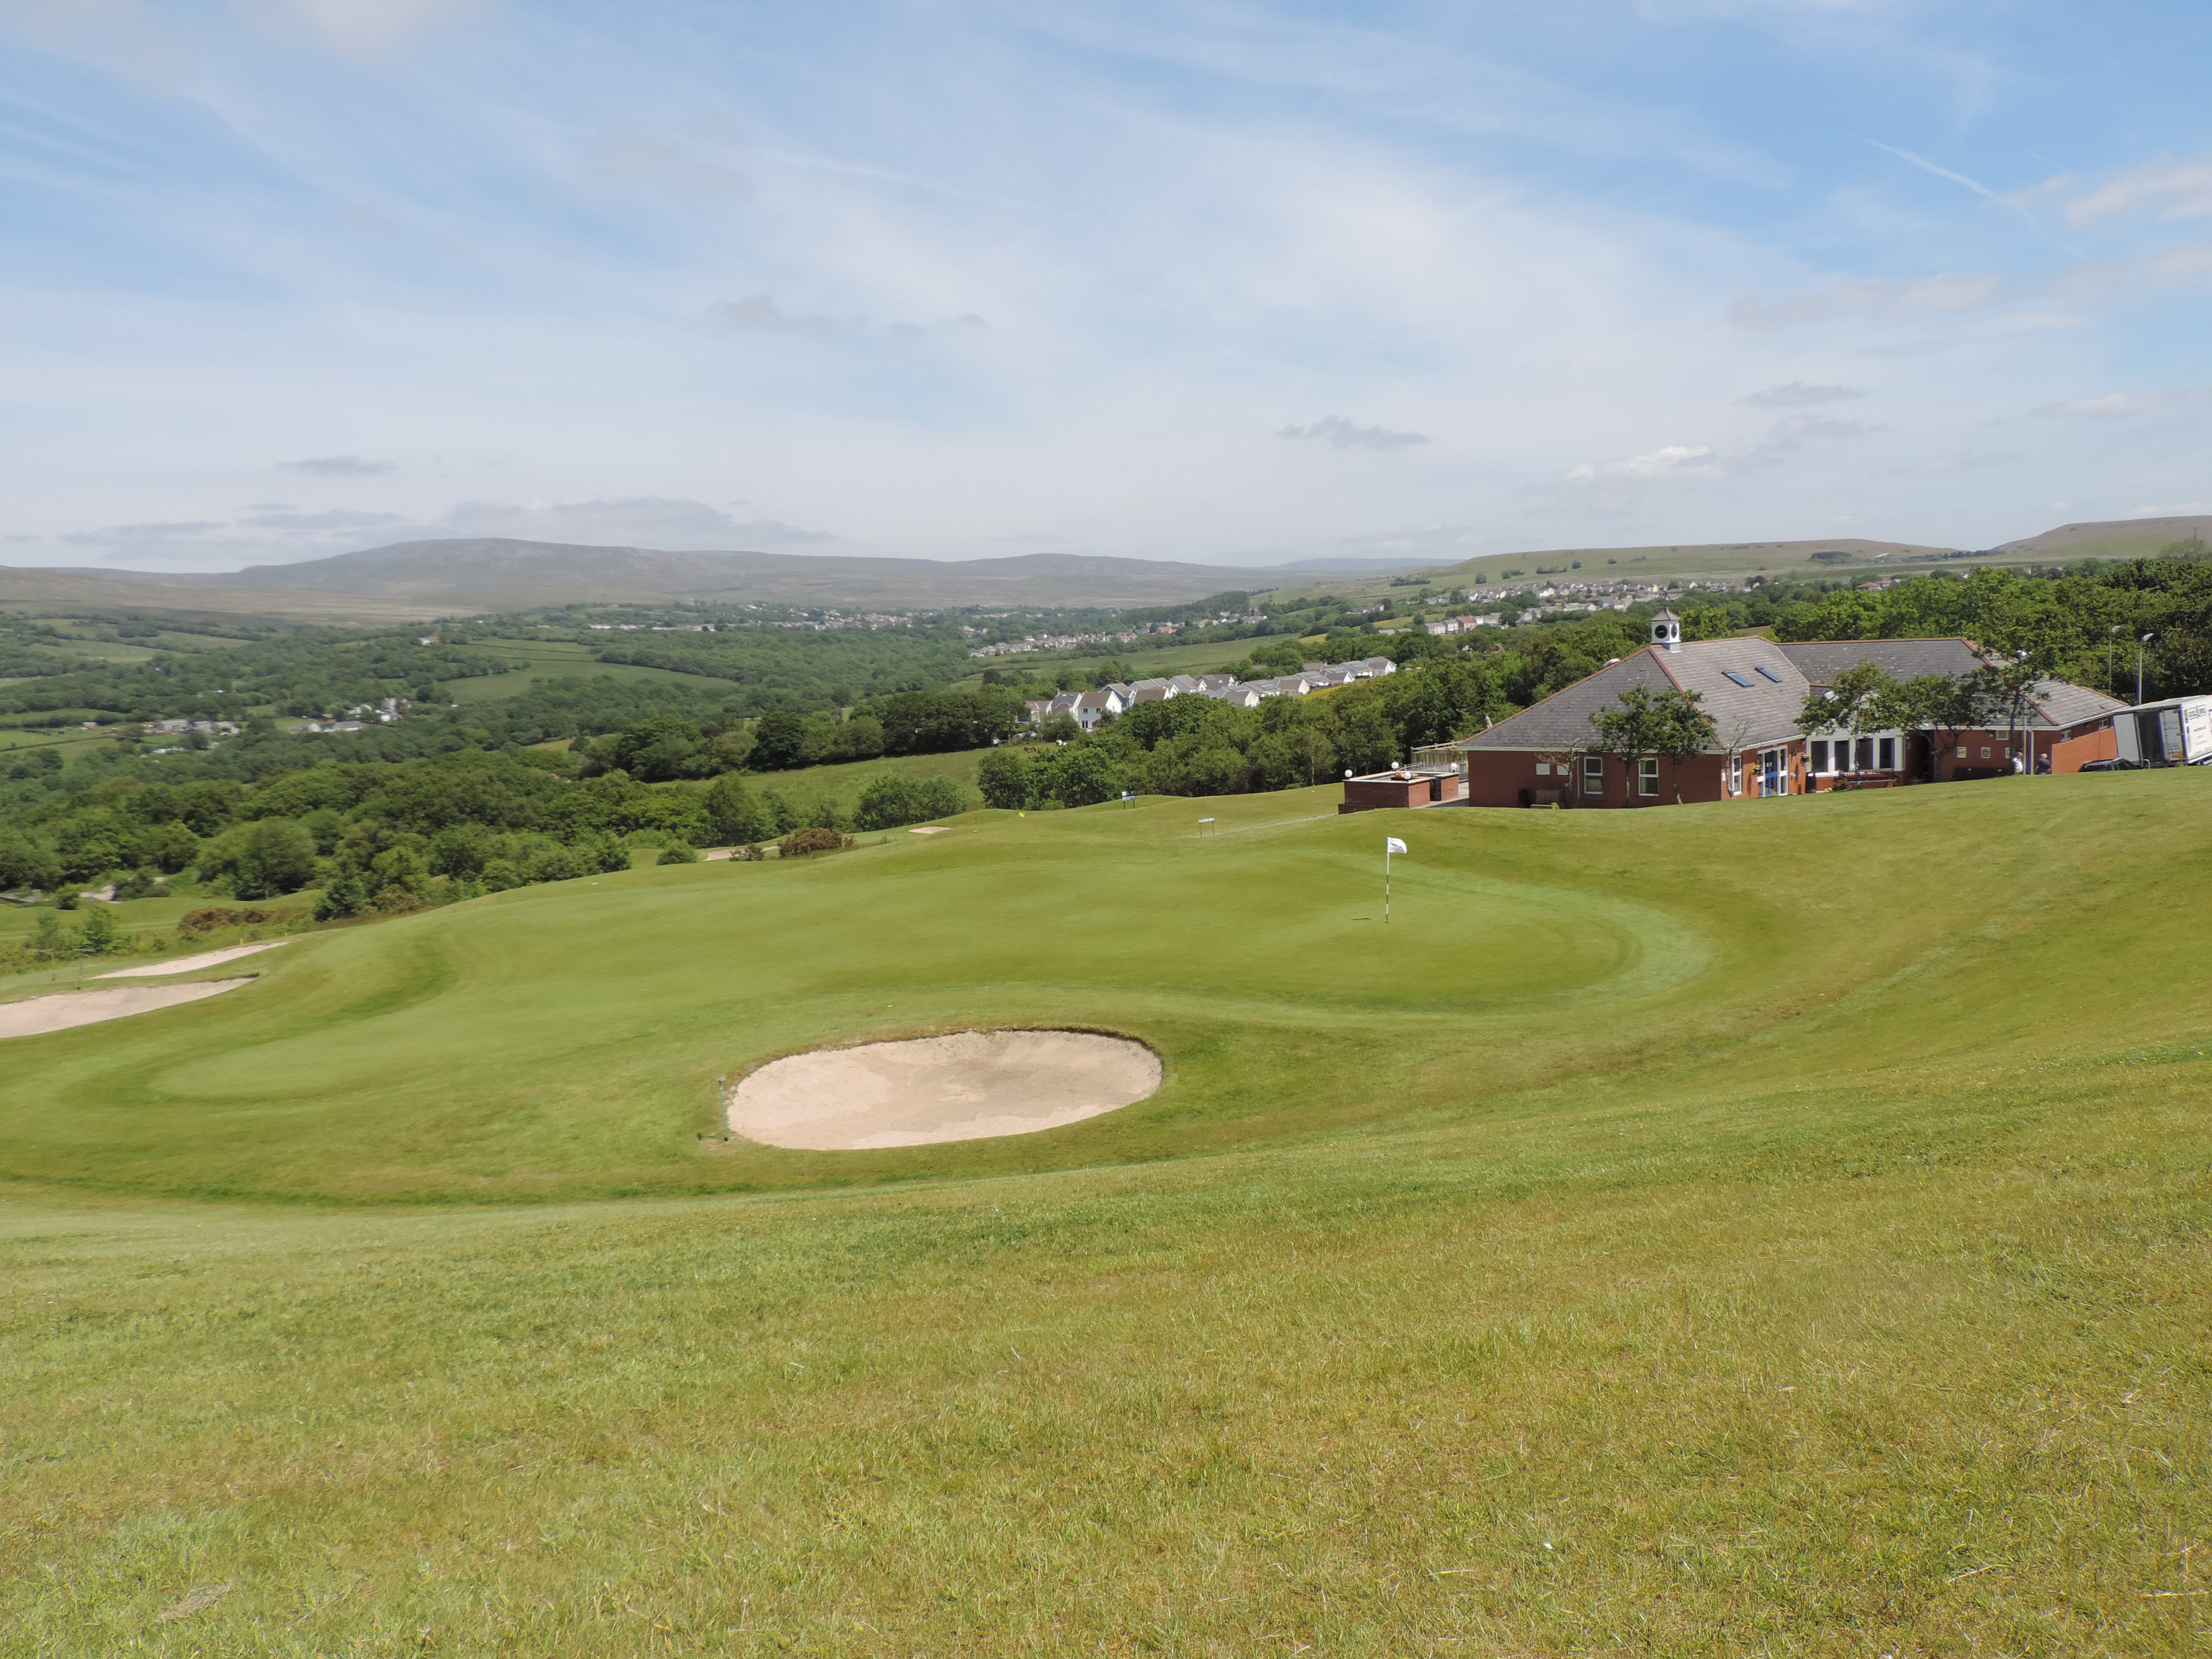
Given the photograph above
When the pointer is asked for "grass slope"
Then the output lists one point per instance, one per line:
(1717, 1230)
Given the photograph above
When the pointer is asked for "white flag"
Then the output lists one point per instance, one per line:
(1392, 844)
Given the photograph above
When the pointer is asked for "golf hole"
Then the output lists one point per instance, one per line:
(971, 1085)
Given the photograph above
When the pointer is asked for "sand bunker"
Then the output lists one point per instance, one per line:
(192, 964)
(964, 1087)
(40, 1014)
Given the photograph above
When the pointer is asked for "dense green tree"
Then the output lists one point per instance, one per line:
(1083, 775)
(26, 865)
(922, 723)
(664, 748)
(858, 739)
(779, 743)
(734, 815)
(890, 800)
(276, 856)
(1002, 776)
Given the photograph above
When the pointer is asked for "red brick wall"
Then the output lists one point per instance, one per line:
(1496, 777)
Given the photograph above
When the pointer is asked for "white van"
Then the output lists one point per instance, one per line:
(2176, 732)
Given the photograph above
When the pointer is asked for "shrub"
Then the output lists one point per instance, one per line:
(207, 921)
(678, 853)
(100, 934)
(345, 896)
(801, 843)
(137, 884)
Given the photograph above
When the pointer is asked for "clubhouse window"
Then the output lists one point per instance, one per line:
(1875, 754)
(1593, 774)
(1647, 775)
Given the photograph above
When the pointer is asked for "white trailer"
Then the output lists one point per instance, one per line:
(2175, 732)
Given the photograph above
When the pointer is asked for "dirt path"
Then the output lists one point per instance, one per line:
(39, 1015)
(964, 1087)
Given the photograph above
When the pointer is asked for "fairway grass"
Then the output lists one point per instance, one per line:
(1770, 1228)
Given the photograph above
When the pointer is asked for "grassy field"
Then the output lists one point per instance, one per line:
(548, 659)
(810, 786)
(1750, 1229)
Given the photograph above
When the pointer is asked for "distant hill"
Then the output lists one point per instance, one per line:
(1732, 559)
(418, 579)
(2112, 538)
(449, 578)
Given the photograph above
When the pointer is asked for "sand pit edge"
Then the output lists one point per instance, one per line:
(970, 1084)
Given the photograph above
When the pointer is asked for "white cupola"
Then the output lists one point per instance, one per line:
(1666, 631)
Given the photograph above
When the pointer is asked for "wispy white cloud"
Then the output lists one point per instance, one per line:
(760, 314)
(272, 532)
(1800, 429)
(2190, 262)
(633, 161)
(1927, 165)
(1338, 433)
(2167, 189)
(1798, 395)
(637, 520)
(1930, 296)
(335, 517)
(360, 29)
(2104, 405)
(1661, 465)
(339, 466)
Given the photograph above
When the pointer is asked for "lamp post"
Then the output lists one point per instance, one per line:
(2140, 643)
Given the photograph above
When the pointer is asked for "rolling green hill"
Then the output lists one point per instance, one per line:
(1764, 1227)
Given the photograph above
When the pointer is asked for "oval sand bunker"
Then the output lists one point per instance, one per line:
(964, 1087)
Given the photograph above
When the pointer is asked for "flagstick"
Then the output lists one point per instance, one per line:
(1386, 884)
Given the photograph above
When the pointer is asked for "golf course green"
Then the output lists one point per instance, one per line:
(1770, 1227)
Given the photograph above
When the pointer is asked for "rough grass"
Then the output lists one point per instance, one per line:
(1769, 1228)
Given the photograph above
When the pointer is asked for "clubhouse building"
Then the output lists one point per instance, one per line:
(1754, 689)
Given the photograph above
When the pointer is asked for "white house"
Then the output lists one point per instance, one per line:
(1093, 707)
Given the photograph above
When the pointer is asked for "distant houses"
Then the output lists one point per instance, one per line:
(1089, 708)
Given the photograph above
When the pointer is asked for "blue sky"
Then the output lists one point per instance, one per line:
(1235, 283)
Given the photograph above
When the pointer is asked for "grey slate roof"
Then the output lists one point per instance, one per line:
(1744, 716)
(1821, 660)
(1766, 711)
(2060, 704)
(1562, 720)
